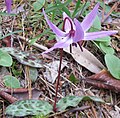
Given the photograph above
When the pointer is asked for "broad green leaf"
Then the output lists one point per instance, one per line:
(106, 48)
(38, 4)
(5, 59)
(113, 65)
(69, 101)
(11, 81)
(29, 107)
(104, 39)
(73, 101)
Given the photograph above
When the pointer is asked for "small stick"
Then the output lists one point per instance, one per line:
(111, 10)
(8, 97)
(16, 90)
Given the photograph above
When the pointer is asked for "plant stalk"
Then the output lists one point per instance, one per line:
(58, 80)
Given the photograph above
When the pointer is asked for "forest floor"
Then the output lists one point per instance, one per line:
(25, 35)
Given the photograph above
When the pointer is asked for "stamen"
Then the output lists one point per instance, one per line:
(70, 48)
(80, 46)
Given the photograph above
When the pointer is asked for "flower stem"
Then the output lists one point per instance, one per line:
(55, 100)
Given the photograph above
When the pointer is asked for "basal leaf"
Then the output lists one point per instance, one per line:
(73, 101)
(69, 101)
(106, 48)
(5, 59)
(113, 65)
(104, 39)
(11, 81)
(29, 107)
(25, 58)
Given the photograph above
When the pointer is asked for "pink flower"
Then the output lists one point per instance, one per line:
(74, 31)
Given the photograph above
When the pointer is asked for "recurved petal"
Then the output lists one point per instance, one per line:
(89, 19)
(55, 29)
(67, 25)
(61, 44)
(79, 33)
(95, 35)
(8, 4)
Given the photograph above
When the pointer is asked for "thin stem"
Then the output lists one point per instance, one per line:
(55, 100)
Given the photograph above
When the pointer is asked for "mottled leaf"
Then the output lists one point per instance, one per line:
(73, 101)
(23, 57)
(29, 107)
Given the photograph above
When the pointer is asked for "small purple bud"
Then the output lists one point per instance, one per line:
(8, 4)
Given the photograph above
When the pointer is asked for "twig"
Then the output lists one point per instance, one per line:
(17, 90)
(50, 86)
(111, 10)
(79, 109)
(8, 97)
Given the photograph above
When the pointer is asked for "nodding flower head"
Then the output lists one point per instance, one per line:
(73, 31)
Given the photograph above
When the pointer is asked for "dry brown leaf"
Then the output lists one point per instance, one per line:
(85, 58)
(104, 80)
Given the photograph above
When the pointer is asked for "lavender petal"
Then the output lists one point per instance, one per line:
(61, 44)
(79, 33)
(89, 19)
(95, 35)
(55, 29)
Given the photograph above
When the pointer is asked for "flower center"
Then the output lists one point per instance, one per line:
(72, 33)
